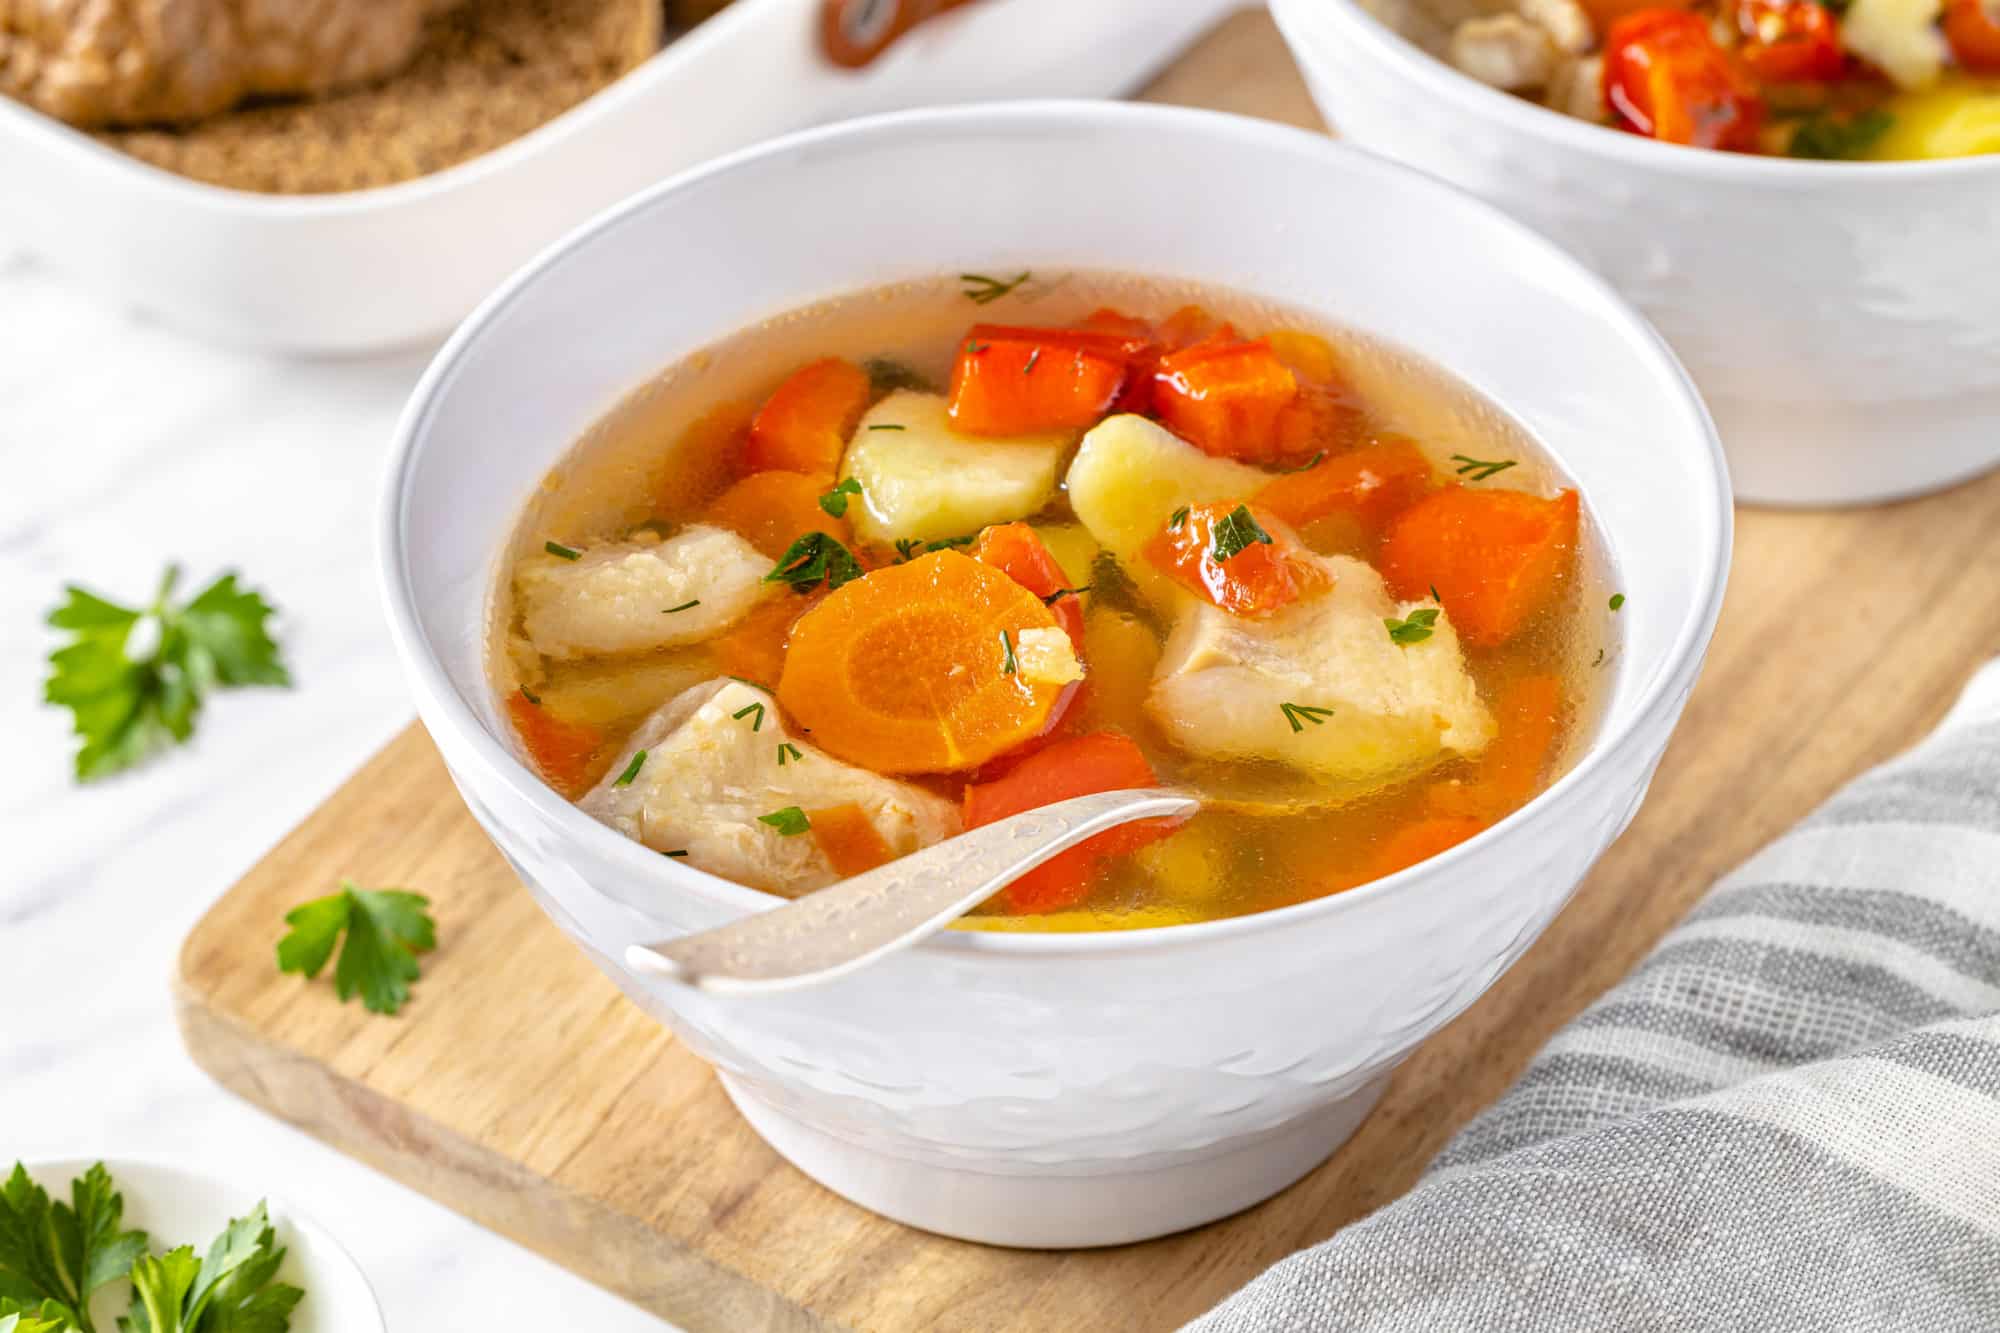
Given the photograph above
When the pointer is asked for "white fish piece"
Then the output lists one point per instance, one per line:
(632, 596)
(720, 755)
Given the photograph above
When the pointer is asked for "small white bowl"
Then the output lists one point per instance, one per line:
(1838, 316)
(376, 268)
(1061, 1090)
(177, 1206)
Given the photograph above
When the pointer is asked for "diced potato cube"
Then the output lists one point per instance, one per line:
(921, 479)
(1899, 37)
(1046, 656)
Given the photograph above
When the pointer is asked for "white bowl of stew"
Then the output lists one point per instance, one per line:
(1161, 1035)
(1837, 315)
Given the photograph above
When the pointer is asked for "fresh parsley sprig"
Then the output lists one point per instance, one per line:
(813, 559)
(54, 1255)
(834, 502)
(385, 928)
(1417, 627)
(230, 1291)
(790, 821)
(134, 679)
(1236, 532)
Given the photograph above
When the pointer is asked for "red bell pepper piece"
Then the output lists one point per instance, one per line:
(1790, 41)
(1665, 77)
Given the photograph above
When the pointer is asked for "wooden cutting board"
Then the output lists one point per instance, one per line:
(522, 1090)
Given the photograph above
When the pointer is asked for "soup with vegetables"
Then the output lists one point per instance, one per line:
(926, 557)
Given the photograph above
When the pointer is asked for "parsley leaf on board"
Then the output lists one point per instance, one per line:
(231, 1291)
(1237, 531)
(813, 558)
(1415, 629)
(53, 1255)
(134, 680)
(385, 930)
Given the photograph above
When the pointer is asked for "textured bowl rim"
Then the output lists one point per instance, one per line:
(1379, 42)
(1660, 692)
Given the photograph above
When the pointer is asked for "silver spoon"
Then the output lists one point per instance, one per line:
(849, 925)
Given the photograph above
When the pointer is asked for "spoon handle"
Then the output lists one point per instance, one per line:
(851, 924)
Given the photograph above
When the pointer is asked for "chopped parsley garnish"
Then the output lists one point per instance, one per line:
(1300, 714)
(973, 347)
(134, 680)
(1479, 469)
(982, 290)
(1415, 629)
(886, 376)
(1829, 138)
(887, 425)
(684, 606)
(1061, 593)
(753, 684)
(632, 769)
(906, 548)
(1600, 658)
(1033, 357)
(531, 696)
(755, 712)
(560, 551)
(1008, 664)
(947, 543)
(678, 851)
(1306, 466)
(1237, 532)
(1178, 519)
(790, 821)
(385, 929)
(1434, 595)
(788, 751)
(812, 559)
(834, 501)
(1617, 600)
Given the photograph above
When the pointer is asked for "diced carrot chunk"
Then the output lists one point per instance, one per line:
(1495, 557)
(1420, 841)
(705, 459)
(1373, 484)
(1189, 325)
(1227, 398)
(1259, 576)
(1529, 713)
(564, 753)
(911, 669)
(1073, 766)
(1012, 381)
(771, 510)
(805, 423)
(848, 839)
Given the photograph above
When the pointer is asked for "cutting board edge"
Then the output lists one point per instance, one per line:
(678, 1284)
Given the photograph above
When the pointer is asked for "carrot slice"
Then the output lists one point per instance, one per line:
(848, 839)
(1257, 571)
(1494, 557)
(1373, 484)
(771, 510)
(564, 753)
(1529, 712)
(1227, 398)
(754, 648)
(1073, 766)
(804, 424)
(1016, 551)
(1015, 381)
(1420, 841)
(909, 670)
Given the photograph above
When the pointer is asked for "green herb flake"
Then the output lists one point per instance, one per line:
(907, 548)
(125, 708)
(385, 929)
(887, 425)
(1434, 595)
(631, 770)
(973, 347)
(684, 606)
(886, 376)
(788, 752)
(947, 543)
(562, 552)
(1829, 138)
(1617, 600)
(813, 559)
(1415, 629)
(1479, 469)
(1178, 519)
(531, 696)
(1306, 466)
(755, 712)
(834, 501)
(1600, 658)
(790, 821)
(753, 684)
(1061, 593)
(1236, 533)
(1300, 714)
(982, 290)
(1008, 665)
(677, 852)
(1033, 357)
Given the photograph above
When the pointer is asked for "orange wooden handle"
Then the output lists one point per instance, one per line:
(854, 32)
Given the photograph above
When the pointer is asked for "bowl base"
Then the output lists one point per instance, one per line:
(1794, 455)
(1050, 1211)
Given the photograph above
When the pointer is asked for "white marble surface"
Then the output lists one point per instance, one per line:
(123, 446)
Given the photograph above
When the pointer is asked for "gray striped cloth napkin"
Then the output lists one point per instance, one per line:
(1787, 1119)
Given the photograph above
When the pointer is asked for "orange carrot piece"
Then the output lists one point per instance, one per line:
(1073, 766)
(564, 753)
(771, 510)
(805, 423)
(1227, 399)
(705, 459)
(848, 839)
(1016, 551)
(1495, 557)
(1529, 714)
(909, 669)
(1420, 841)
(754, 648)
(1257, 579)
(1015, 381)
(1372, 483)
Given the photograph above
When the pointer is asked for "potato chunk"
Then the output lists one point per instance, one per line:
(1131, 474)
(717, 757)
(620, 597)
(921, 479)
(1392, 709)
(1899, 37)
